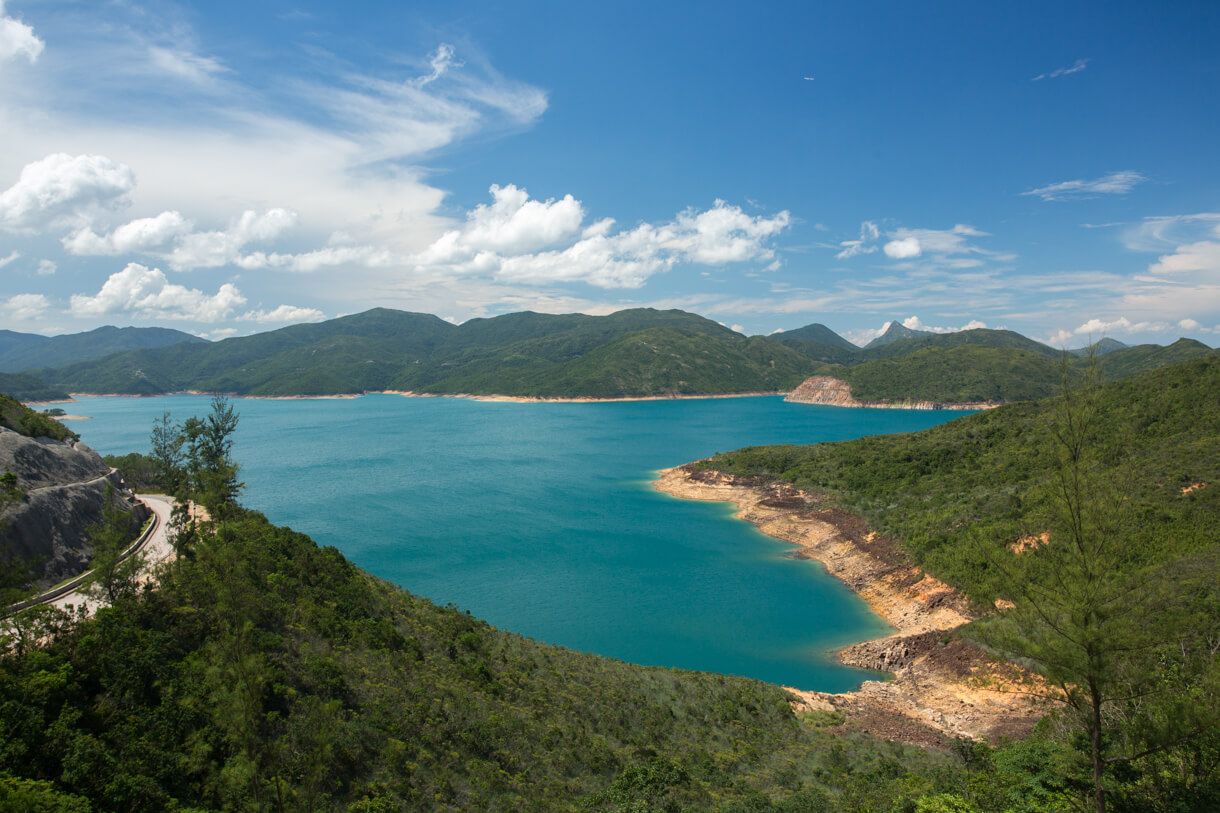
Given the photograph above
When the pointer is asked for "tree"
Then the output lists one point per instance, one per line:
(211, 469)
(114, 575)
(167, 440)
(1115, 636)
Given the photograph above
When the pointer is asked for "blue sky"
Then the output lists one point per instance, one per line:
(226, 168)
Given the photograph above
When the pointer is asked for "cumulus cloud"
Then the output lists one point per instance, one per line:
(504, 241)
(869, 233)
(1116, 183)
(64, 188)
(46, 268)
(25, 307)
(17, 40)
(145, 292)
(915, 323)
(1076, 67)
(903, 249)
(1201, 256)
(284, 314)
(726, 234)
(140, 235)
(6, 260)
(1097, 328)
(212, 249)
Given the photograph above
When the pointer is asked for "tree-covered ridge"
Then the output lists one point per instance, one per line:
(1091, 521)
(982, 476)
(630, 353)
(635, 352)
(25, 387)
(970, 367)
(23, 420)
(26, 351)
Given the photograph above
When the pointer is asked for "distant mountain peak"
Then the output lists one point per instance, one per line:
(817, 333)
(895, 331)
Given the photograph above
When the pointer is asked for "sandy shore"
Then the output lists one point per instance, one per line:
(943, 687)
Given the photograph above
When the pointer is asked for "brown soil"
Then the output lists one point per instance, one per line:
(943, 686)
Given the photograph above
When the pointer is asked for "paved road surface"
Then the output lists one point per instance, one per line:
(155, 550)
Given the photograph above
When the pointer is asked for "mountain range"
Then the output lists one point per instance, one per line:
(632, 353)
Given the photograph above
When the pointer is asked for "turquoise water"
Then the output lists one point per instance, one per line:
(540, 517)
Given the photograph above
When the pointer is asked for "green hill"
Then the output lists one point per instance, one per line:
(818, 333)
(965, 373)
(28, 388)
(980, 337)
(28, 351)
(940, 490)
(636, 352)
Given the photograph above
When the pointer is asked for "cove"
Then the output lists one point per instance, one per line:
(540, 517)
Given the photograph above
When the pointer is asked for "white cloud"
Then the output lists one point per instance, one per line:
(25, 307)
(6, 260)
(502, 241)
(181, 64)
(903, 249)
(1116, 183)
(1096, 329)
(868, 234)
(1201, 256)
(284, 314)
(915, 323)
(46, 268)
(145, 292)
(1169, 232)
(140, 235)
(440, 61)
(726, 234)
(1076, 67)
(61, 189)
(211, 249)
(17, 39)
(1189, 324)
(936, 241)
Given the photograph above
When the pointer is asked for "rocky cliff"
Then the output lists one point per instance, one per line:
(828, 391)
(60, 491)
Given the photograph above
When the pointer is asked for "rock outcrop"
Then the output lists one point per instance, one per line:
(829, 391)
(61, 490)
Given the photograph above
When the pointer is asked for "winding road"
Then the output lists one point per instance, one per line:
(153, 544)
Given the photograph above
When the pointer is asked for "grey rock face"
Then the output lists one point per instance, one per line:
(65, 490)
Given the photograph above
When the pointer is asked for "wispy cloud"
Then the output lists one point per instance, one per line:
(1076, 67)
(1116, 183)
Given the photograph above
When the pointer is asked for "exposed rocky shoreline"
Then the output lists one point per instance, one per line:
(943, 687)
(828, 391)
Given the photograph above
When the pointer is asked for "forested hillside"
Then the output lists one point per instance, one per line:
(1090, 520)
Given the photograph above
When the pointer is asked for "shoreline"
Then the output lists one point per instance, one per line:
(943, 687)
(492, 398)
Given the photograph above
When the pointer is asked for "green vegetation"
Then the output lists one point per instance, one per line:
(27, 351)
(638, 352)
(267, 673)
(1096, 512)
(23, 420)
(967, 373)
(28, 388)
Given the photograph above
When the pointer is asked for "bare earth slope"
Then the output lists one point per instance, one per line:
(943, 687)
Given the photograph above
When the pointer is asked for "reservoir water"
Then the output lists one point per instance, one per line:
(539, 517)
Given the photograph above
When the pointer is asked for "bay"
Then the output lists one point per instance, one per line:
(540, 517)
